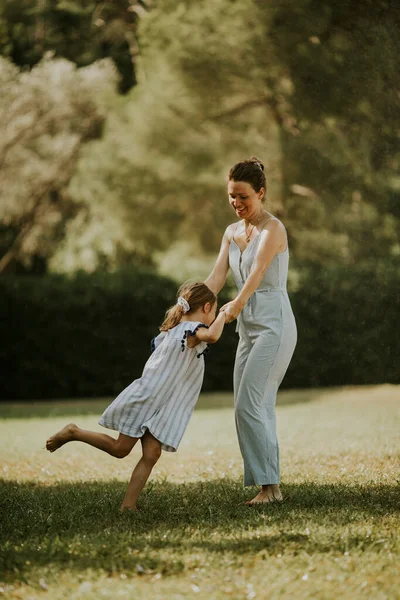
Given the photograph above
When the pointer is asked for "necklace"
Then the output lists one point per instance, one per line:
(248, 235)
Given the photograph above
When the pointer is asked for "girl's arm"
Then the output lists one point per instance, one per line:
(213, 333)
(216, 280)
(270, 244)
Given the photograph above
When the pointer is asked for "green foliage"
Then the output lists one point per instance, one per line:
(342, 60)
(46, 116)
(346, 319)
(301, 83)
(161, 167)
(129, 195)
(82, 31)
(310, 87)
(78, 336)
(90, 335)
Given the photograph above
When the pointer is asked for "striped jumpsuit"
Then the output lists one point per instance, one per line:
(267, 338)
(162, 400)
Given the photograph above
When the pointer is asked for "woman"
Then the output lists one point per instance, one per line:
(256, 250)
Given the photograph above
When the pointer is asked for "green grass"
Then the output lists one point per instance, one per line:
(48, 409)
(335, 535)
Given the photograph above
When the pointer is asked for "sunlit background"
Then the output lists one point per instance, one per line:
(119, 121)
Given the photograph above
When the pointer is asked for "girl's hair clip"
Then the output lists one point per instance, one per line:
(184, 304)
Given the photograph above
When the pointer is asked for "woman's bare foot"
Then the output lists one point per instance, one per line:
(268, 495)
(125, 508)
(62, 437)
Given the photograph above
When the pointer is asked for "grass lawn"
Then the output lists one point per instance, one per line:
(335, 536)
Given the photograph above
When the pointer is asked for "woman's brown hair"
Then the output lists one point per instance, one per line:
(251, 171)
(196, 295)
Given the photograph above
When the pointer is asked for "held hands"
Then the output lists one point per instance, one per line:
(232, 310)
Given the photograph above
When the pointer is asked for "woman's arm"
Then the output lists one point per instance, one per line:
(213, 333)
(270, 244)
(216, 280)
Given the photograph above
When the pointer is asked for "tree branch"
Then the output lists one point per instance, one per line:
(29, 219)
(241, 107)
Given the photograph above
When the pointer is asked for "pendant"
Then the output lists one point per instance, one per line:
(248, 235)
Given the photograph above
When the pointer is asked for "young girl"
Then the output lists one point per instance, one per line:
(157, 407)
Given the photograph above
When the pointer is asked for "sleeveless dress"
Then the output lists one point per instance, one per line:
(162, 400)
(267, 339)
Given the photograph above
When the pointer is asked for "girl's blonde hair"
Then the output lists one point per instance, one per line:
(196, 295)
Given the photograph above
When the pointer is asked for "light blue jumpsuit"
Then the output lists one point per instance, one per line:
(267, 339)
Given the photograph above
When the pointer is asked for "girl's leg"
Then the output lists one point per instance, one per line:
(119, 447)
(151, 449)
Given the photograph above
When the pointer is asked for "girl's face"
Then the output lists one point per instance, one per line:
(245, 201)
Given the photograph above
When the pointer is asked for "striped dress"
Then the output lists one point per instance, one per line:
(162, 400)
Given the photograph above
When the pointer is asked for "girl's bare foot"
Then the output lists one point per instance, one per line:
(268, 495)
(62, 437)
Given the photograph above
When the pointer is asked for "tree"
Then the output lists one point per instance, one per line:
(343, 62)
(46, 116)
(223, 80)
(81, 31)
(327, 74)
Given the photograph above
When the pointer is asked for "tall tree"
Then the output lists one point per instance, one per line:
(309, 86)
(81, 31)
(46, 116)
(328, 76)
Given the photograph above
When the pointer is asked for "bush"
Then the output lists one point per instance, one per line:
(90, 335)
(348, 326)
(86, 336)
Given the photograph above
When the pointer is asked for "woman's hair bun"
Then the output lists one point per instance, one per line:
(257, 162)
(250, 170)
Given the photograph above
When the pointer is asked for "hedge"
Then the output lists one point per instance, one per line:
(348, 323)
(90, 335)
(86, 336)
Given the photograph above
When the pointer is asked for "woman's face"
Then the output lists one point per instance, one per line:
(243, 198)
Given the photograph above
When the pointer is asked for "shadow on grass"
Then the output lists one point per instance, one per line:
(85, 406)
(78, 526)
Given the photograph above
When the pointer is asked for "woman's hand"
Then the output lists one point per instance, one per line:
(232, 310)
